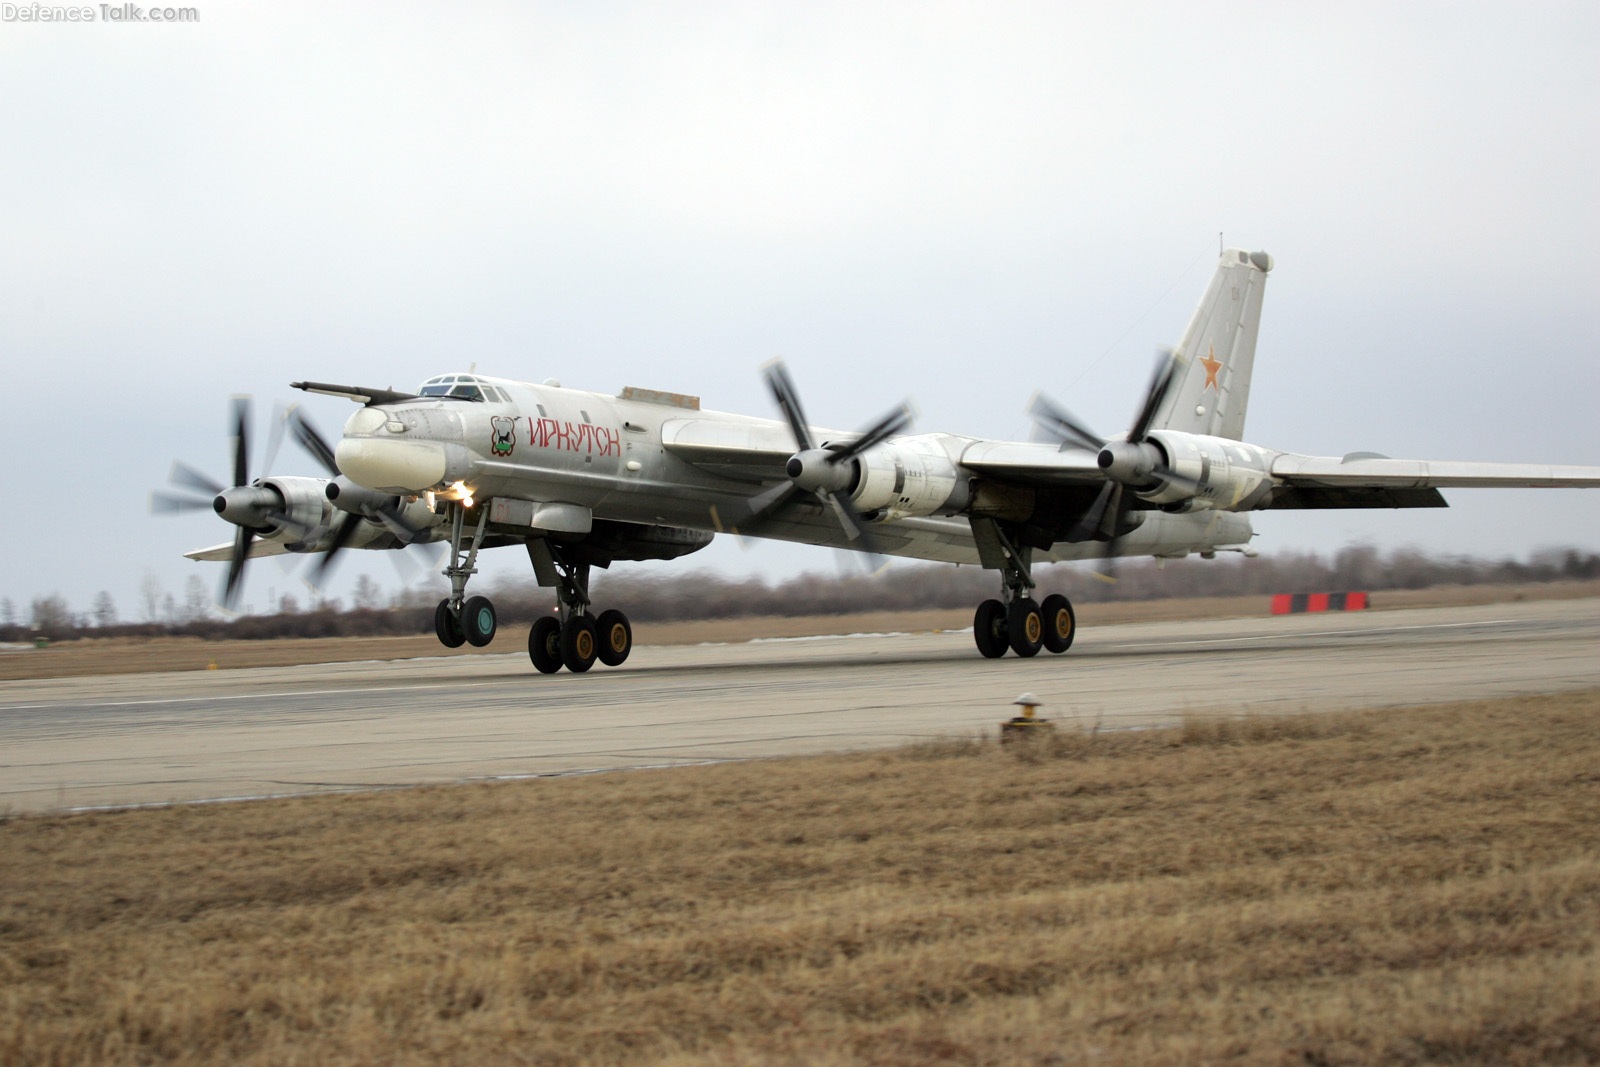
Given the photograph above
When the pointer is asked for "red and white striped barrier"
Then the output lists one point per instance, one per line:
(1295, 603)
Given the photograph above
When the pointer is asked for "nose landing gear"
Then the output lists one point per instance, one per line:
(458, 621)
(478, 621)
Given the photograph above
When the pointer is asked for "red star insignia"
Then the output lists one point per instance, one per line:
(1212, 364)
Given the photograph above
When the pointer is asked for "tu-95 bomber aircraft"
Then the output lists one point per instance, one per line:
(583, 479)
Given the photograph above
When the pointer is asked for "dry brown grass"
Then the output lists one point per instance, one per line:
(128, 655)
(1414, 886)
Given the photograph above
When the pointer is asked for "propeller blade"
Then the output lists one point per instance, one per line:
(1120, 506)
(312, 441)
(183, 474)
(241, 550)
(880, 431)
(788, 398)
(855, 527)
(432, 551)
(1066, 429)
(1160, 384)
(390, 516)
(341, 537)
(752, 512)
(405, 568)
(864, 540)
(274, 438)
(169, 504)
(241, 440)
(1090, 524)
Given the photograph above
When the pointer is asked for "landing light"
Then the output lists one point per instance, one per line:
(462, 493)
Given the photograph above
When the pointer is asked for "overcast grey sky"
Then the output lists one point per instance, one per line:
(960, 202)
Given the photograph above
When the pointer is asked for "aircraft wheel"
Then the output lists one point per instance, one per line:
(447, 626)
(579, 644)
(1025, 627)
(544, 644)
(989, 629)
(1060, 623)
(478, 621)
(616, 637)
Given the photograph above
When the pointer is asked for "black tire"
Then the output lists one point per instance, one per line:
(989, 629)
(478, 621)
(544, 644)
(1025, 627)
(616, 637)
(1060, 623)
(579, 644)
(447, 626)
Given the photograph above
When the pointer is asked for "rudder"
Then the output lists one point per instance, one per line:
(1218, 350)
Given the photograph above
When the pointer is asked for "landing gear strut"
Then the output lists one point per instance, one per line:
(458, 620)
(577, 638)
(573, 640)
(1016, 621)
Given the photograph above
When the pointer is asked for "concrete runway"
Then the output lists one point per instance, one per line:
(149, 738)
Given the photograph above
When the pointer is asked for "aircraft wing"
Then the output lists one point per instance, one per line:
(1359, 481)
(757, 451)
(224, 551)
(1375, 472)
(1033, 466)
(761, 451)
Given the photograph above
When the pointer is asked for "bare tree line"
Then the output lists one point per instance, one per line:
(704, 595)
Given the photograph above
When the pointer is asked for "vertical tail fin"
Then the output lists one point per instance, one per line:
(1218, 350)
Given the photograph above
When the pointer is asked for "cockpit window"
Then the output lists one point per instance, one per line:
(455, 386)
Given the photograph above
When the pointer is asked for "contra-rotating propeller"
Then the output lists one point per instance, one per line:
(826, 472)
(251, 507)
(257, 509)
(1132, 463)
(355, 501)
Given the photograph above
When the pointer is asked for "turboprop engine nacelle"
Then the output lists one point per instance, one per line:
(399, 519)
(275, 507)
(357, 499)
(909, 476)
(1227, 475)
(815, 470)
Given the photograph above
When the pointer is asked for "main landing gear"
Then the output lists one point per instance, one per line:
(575, 638)
(1017, 622)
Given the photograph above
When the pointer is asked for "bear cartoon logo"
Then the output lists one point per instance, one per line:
(504, 437)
